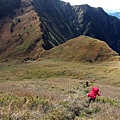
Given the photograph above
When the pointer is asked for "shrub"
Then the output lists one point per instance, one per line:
(12, 24)
(11, 30)
(18, 20)
(22, 11)
(56, 115)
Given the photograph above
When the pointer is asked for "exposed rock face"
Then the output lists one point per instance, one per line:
(61, 22)
(57, 21)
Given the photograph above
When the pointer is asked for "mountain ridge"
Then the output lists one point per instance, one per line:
(116, 14)
(39, 26)
(94, 22)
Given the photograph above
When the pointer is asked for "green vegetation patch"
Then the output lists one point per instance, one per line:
(108, 100)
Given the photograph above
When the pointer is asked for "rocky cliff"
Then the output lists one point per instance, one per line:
(56, 21)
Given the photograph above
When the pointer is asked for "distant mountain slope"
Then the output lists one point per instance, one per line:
(96, 23)
(60, 22)
(116, 14)
(56, 21)
(83, 48)
(20, 36)
(39, 25)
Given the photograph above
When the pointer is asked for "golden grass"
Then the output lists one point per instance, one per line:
(50, 89)
(83, 48)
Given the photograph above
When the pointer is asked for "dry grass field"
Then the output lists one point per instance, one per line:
(54, 90)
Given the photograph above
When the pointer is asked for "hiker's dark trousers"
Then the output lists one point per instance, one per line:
(91, 99)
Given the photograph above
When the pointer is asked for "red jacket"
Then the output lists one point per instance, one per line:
(92, 94)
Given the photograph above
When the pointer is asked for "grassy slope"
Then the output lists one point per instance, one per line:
(50, 89)
(26, 39)
(83, 48)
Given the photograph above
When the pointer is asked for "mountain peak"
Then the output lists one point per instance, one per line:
(83, 7)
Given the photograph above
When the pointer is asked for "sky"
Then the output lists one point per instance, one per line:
(107, 5)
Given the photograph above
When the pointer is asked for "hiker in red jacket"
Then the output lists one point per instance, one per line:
(92, 94)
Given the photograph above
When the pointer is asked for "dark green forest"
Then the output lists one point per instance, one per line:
(7, 7)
